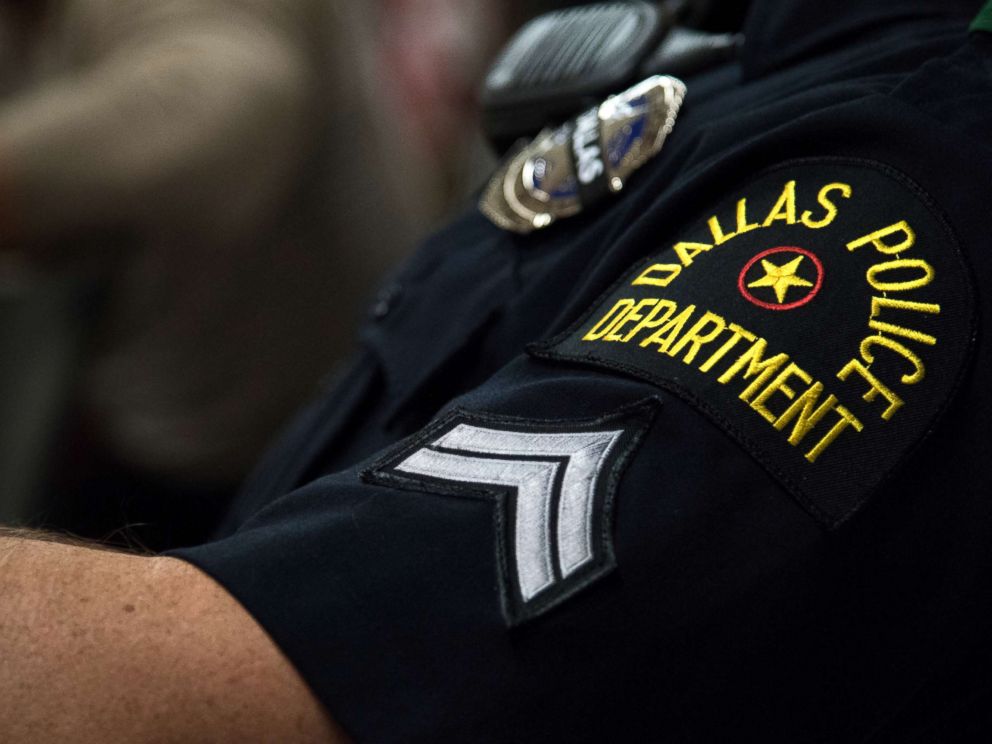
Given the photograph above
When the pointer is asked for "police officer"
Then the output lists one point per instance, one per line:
(701, 459)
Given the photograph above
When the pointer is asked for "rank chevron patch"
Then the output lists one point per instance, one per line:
(552, 484)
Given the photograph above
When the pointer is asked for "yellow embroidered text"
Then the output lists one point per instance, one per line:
(772, 385)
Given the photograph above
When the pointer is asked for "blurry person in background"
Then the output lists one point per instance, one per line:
(225, 180)
(431, 56)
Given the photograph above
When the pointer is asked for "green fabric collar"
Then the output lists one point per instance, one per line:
(983, 21)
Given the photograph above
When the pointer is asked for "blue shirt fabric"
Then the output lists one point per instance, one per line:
(729, 607)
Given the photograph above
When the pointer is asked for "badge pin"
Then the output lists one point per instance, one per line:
(570, 168)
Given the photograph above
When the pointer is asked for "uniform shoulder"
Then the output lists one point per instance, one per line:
(956, 90)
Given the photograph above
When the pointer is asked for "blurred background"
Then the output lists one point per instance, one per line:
(197, 200)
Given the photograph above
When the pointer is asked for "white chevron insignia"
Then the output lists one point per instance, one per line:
(555, 476)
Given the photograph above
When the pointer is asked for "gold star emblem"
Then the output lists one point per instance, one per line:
(781, 278)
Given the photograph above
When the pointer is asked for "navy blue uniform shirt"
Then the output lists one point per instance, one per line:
(709, 462)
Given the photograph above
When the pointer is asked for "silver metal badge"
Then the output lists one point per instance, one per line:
(567, 169)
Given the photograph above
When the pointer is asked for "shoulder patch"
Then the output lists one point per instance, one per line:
(552, 483)
(822, 317)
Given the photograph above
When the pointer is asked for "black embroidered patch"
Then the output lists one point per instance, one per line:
(553, 484)
(822, 316)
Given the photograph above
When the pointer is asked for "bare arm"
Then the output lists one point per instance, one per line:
(98, 646)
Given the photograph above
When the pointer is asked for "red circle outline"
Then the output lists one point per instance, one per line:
(792, 305)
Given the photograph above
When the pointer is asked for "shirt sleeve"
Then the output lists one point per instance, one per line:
(404, 590)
